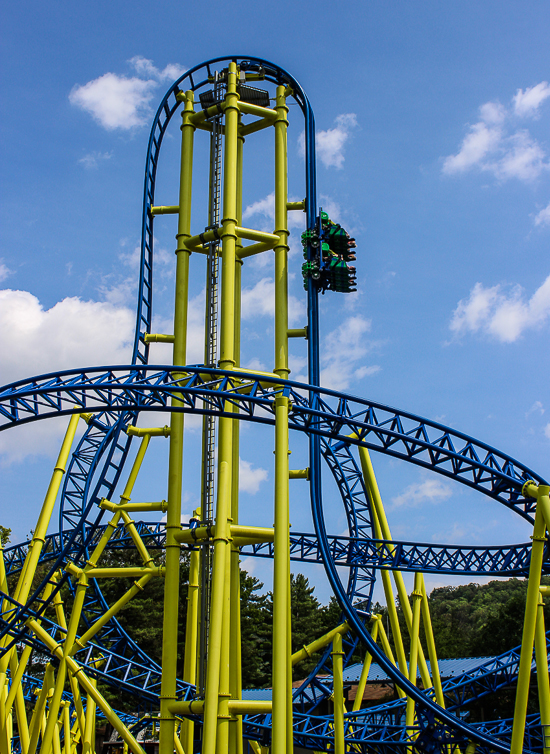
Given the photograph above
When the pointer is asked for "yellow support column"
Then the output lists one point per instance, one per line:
(529, 625)
(187, 731)
(368, 472)
(432, 652)
(216, 707)
(175, 463)
(235, 676)
(374, 495)
(281, 583)
(415, 643)
(338, 693)
(543, 683)
(366, 667)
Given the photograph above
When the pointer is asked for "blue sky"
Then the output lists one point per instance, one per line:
(434, 151)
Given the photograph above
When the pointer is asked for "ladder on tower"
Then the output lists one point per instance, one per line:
(210, 359)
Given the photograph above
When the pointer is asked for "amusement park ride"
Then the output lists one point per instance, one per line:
(79, 641)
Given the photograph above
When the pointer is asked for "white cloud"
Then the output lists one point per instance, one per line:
(543, 217)
(330, 144)
(526, 103)
(115, 101)
(265, 208)
(523, 158)
(35, 340)
(536, 408)
(473, 149)
(504, 316)
(91, 161)
(73, 333)
(145, 67)
(547, 431)
(259, 301)
(343, 348)
(503, 150)
(5, 271)
(121, 101)
(429, 491)
(250, 477)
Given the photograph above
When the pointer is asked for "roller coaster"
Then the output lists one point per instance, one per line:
(77, 640)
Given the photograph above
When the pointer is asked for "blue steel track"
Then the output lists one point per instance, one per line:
(116, 395)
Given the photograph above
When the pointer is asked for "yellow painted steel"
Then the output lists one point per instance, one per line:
(385, 533)
(318, 644)
(297, 333)
(415, 644)
(298, 474)
(543, 682)
(158, 337)
(222, 707)
(191, 634)
(175, 462)
(541, 493)
(366, 667)
(338, 693)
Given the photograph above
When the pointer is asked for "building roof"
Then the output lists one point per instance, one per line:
(447, 669)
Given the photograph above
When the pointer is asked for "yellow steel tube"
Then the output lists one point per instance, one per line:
(165, 210)
(366, 667)
(256, 235)
(296, 205)
(124, 573)
(24, 584)
(338, 693)
(113, 610)
(37, 715)
(261, 112)
(221, 542)
(281, 580)
(318, 644)
(88, 741)
(374, 494)
(432, 651)
(136, 466)
(543, 682)
(161, 506)
(529, 625)
(415, 643)
(215, 720)
(88, 687)
(149, 431)
(298, 474)
(191, 629)
(175, 461)
(281, 230)
(130, 527)
(63, 654)
(235, 660)
(255, 248)
(300, 332)
(150, 337)
(67, 727)
(257, 125)
(389, 654)
(366, 465)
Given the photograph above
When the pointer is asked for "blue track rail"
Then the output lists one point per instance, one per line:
(116, 395)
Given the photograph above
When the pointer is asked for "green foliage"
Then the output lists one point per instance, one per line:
(4, 535)
(480, 620)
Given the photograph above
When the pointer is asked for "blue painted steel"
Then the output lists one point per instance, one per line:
(334, 416)
(116, 397)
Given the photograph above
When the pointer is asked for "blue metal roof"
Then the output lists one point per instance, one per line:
(447, 668)
(261, 695)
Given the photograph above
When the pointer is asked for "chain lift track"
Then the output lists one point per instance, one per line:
(210, 359)
(111, 400)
